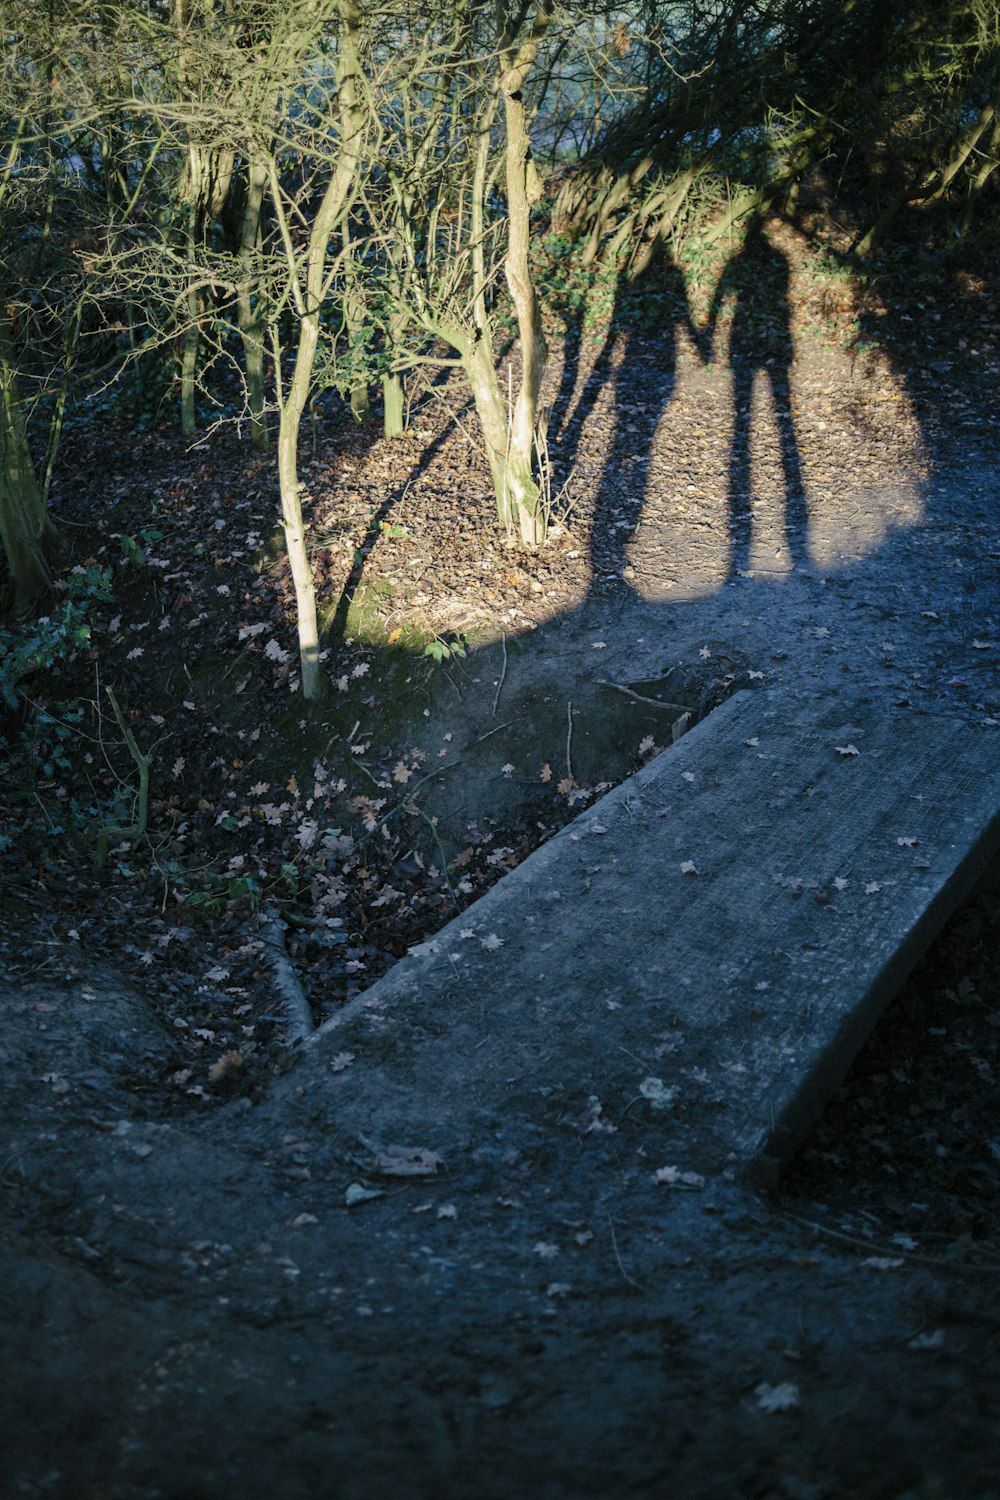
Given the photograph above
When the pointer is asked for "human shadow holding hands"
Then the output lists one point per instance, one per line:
(760, 342)
(641, 374)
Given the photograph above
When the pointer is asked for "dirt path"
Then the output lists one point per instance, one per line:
(242, 1303)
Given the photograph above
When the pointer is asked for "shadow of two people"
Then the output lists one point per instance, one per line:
(755, 282)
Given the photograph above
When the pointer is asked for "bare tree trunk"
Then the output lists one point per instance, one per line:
(25, 529)
(294, 525)
(189, 354)
(524, 188)
(393, 405)
(354, 321)
(965, 148)
(309, 287)
(481, 369)
(251, 331)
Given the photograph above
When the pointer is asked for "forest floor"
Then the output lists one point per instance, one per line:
(191, 1306)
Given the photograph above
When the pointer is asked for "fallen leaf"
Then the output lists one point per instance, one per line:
(689, 867)
(401, 772)
(546, 772)
(928, 1340)
(358, 1193)
(847, 750)
(646, 743)
(907, 843)
(447, 1211)
(659, 1095)
(307, 833)
(674, 1177)
(341, 1061)
(229, 1062)
(491, 942)
(882, 1262)
(545, 1250)
(301, 1220)
(772, 1398)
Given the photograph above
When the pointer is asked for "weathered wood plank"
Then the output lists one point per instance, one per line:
(731, 920)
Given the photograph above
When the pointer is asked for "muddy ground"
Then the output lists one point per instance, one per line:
(211, 1286)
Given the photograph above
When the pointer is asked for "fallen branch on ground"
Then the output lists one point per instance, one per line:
(299, 1025)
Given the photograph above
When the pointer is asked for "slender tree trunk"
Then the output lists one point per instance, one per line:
(251, 329)
(25, 529)
(361, 403)
(295, 536)
(189, 364)
(965, 148)
(355, 314)
(393, 405)
(524, 188)
(982, 177)
(192, 305)
(480, 367)
(309, 288)
(355, 310)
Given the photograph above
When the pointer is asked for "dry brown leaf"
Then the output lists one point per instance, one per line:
(229, 1062)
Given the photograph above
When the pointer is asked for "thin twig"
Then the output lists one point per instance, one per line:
(619, 687)
(137, 828)
(569, 742)
(479, 741)
(614, 1241)
(430, 775)
(503, 674)
(412, 808)
(891, 1251)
